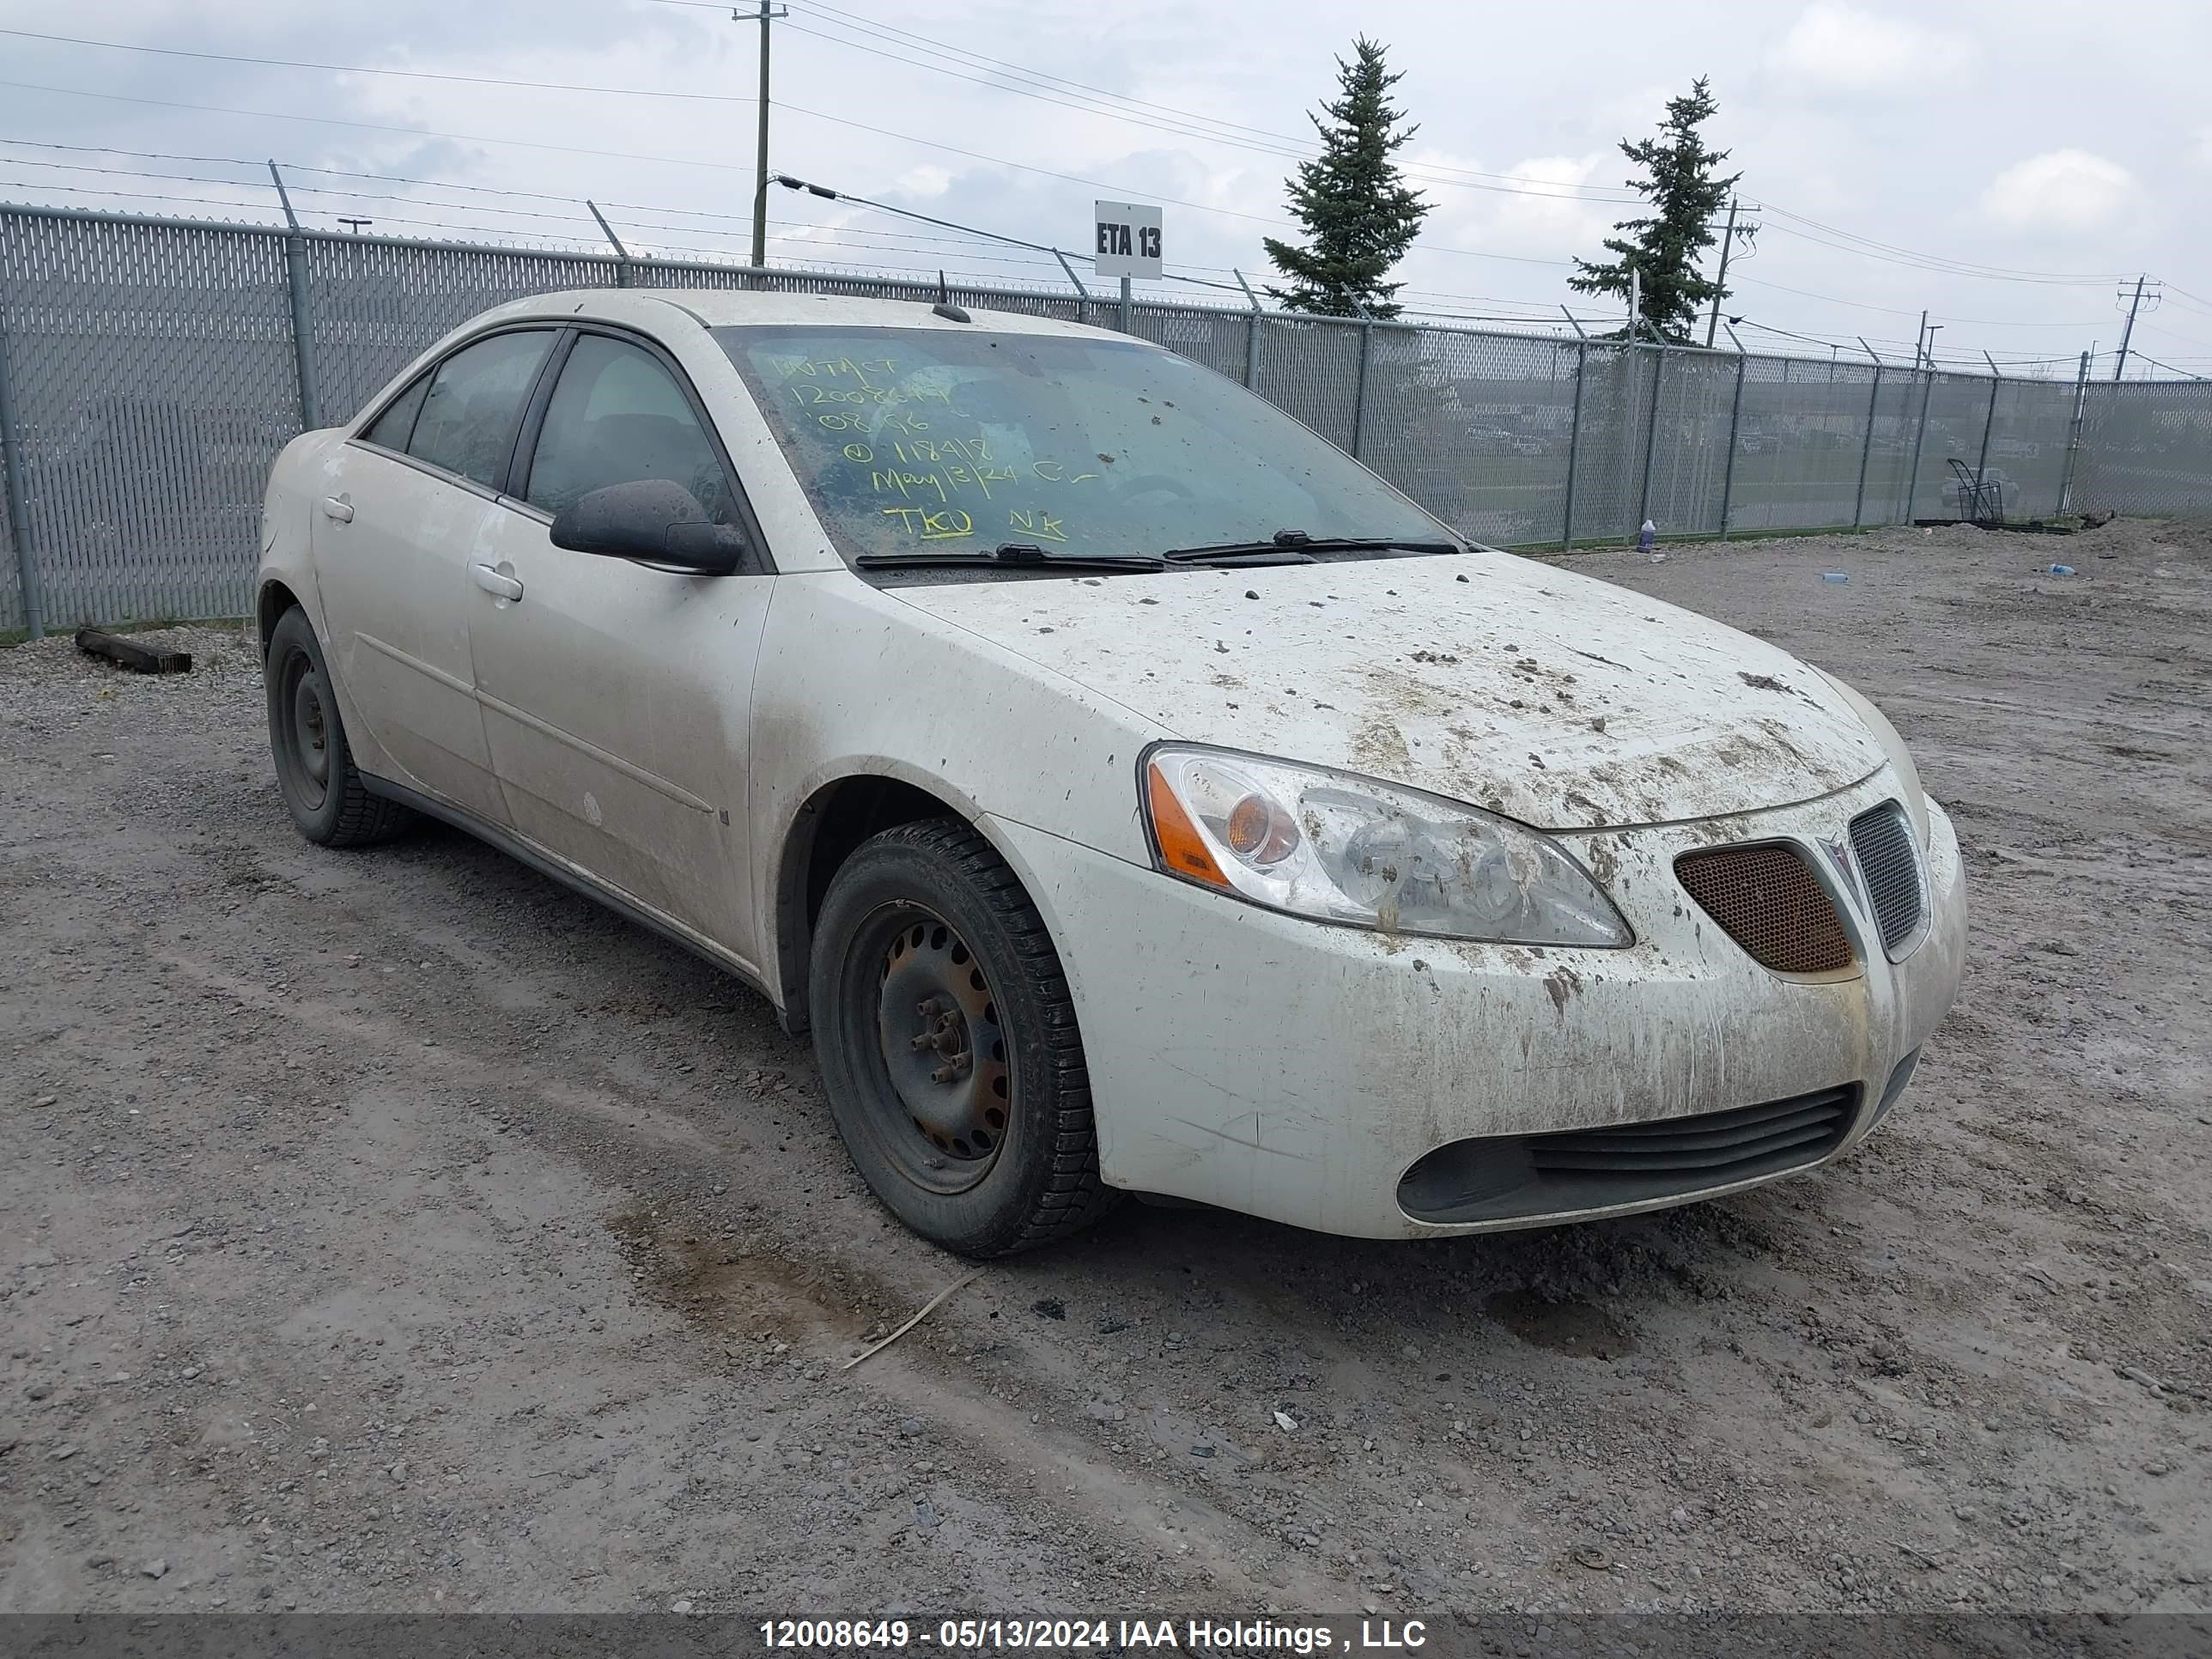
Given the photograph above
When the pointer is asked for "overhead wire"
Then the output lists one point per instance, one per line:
(1851, 243)
(721, 167)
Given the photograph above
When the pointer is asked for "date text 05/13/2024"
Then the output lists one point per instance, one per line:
(976, 1635)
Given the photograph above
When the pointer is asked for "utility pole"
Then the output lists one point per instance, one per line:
(1918, 350)
(768, 14)
(1635, 301)
(2128, 333)
(1720, 281)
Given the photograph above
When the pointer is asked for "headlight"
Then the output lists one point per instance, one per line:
(1338, 848)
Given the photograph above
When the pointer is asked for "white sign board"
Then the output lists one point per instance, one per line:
(1128, 239)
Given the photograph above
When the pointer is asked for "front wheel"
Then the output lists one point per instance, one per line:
(948, 1043)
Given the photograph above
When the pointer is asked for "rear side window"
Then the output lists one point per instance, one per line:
(619, 416)
(390, 430)
(475, 401)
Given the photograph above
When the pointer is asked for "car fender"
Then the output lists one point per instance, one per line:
(853, 684)
(297, 482)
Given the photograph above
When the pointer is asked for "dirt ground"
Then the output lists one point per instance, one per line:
(395, 1230)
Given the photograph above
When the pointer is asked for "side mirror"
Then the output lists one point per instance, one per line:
(653, 520)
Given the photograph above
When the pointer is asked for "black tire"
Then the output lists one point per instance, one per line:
(315, 772)
(1007, 1159)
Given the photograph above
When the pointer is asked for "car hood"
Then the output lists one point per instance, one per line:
(1558, 700)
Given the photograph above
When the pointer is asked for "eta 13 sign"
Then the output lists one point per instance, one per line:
(1128, 239)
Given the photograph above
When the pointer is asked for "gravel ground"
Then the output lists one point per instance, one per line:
(395, 1230)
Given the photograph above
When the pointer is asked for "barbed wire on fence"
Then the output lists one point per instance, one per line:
(151, 366)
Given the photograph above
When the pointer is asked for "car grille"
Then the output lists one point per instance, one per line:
(1499, 1178)
(1883, 840)
(1771, 903)
(1714, 1146)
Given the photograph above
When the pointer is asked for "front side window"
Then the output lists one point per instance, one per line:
(913, 439)
(475, 401)
(618, 417)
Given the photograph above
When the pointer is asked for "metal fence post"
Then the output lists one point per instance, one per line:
(1251, 334)
(1989, 424)
(1866, 450)
(621, 254)
(1574, 440)
(1736, 420)
(16, 488)
(2074, 435)
(1650, 439)
(296, 277)
(1919, 438)
(1083, 294)
(1360, 390)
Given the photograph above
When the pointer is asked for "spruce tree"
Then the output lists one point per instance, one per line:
(1677, 179)
(1359, 215)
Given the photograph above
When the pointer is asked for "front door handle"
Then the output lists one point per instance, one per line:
(337, 507)
(499, 586)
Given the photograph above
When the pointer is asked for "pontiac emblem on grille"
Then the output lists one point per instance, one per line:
(1847, 867)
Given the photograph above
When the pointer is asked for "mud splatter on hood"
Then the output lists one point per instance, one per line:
(1556, 699)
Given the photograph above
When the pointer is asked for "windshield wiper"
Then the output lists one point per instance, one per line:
(1021, 555)
(1295, 546)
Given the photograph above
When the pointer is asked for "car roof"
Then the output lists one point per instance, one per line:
(657, 308)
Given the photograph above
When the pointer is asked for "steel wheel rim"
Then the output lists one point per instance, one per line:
(944, 1093)
(306, 734)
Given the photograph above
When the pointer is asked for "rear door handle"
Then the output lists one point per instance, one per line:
(504, 587)
(335, 507)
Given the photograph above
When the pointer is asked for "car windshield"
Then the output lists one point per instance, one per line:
(913, 441)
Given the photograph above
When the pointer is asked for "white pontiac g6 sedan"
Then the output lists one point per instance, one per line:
(1129, 791)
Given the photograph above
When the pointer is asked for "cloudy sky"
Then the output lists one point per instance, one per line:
(2007, 164)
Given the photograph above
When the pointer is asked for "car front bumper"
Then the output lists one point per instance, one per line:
(1297, 1071)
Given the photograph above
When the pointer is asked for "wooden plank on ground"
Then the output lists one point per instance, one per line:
(131, 654)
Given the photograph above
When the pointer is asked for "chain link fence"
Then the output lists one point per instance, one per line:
(151, 369)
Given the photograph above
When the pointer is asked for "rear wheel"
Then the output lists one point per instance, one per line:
(315, 772)
(948, 1043)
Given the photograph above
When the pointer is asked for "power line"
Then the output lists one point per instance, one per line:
(1283, 148)
(252, 207)
(1883, 251)
(1121, 190)
(1865, 247)
(1183, 129)
(902, 242)
(359, 68)
(912, 42)
(1183, 122)
(297, 188)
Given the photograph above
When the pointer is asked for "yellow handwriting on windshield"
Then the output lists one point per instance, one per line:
(1037, 523)
(830, 367)
(1056, 472)
(949, 524)
(975, 450)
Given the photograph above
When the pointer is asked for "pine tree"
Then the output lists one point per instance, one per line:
(1359, 215)
(1678, 180)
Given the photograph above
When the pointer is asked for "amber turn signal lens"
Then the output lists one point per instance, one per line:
(1181, 849)
(1259, 831)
